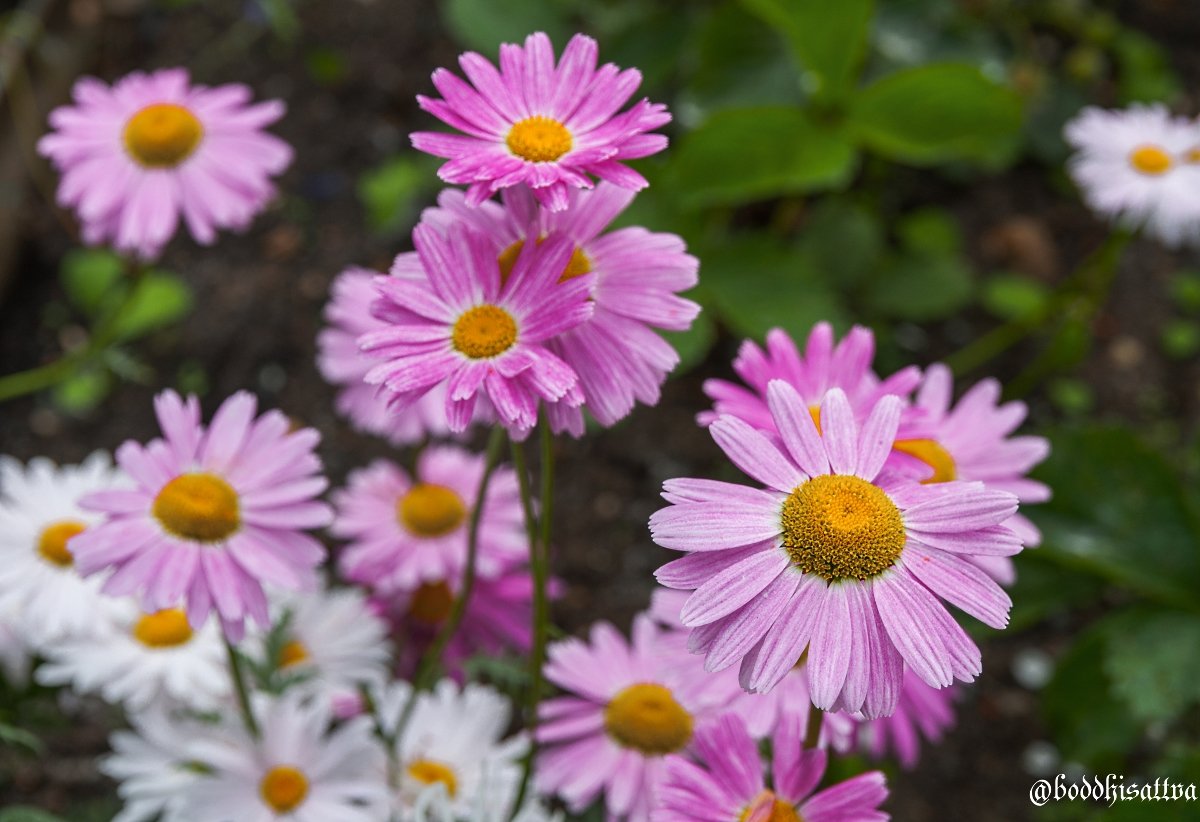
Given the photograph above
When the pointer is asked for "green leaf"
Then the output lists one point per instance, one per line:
(1013, 297)
(930, 231)
(485, 24)
(159, 300)
(844, 240)
(693, 345)
(1145, 662)
(26, 813)
(20, 738)
(936, 114)
(83, 390)
(741, 155)
(1145, 73)
(392, 192)
(828, 39)
(1044, 588)
(1119, 512)
(921, 288)
(1181, 339)
(1088, 721)
(89, 276)
(1185, 291)
(757, 283)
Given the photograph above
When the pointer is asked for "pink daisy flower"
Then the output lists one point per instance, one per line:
(630, 704)
(538, 124)
(636, 279)
(213, 515)
(971, 442)
(151, 148)
(728, 783)
(832, 556)
(823, 365)
(496, 621)
(405, 531)
(479, 334)
(921, 712)
(348, 313)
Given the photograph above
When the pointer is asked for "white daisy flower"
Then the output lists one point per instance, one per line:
(335, 640)
(450, 754)
(299, 769)
(1140, 167)
(38, 517)
(135, 658)
(152, 767)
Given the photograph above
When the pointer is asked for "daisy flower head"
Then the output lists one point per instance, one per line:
(922, 712)
(40, 584)
(341, 363)
(451, 753)
(405, 531)
(729, 784)
(334, 641)
(636, 279)
(532, 122)
(138, 155)
(629, 704)
(834, 556)
(214, 513)
(481, 335)
(302, 768)
(825, 363)
(139, 659)
(1140, 167)
(971, 440)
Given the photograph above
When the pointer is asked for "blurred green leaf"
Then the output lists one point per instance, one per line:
(281, 16)
(1072, 396)
(1088, 722)
(89, 276)
(1144, 69)
(938, 113)
(930, 231)
(828, 39)
(392, 192)
(159, 300)
(20, 738)
(1145, 664)
(844, 240)
(920, 287)
(758, 283)
(1013, 297)
(1044, 589)
(83, 390)
(1181, 339)
(25, 813)
(740, 155)
(1120, 512)
(326, 65)
(1185, 291)
(693, 345)
(485, 24)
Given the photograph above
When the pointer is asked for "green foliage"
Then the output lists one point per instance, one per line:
(393, 192)
(1145, 664)
(933, 114)
(693, 345)
(15, 737)
(828, 39)
(25, 813)
(90, 277)
(159, 299)
(1013, 297)
(1181, 339)
(483, 24)
(928, 279)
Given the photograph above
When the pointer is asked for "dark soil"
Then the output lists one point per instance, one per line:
(259, 298)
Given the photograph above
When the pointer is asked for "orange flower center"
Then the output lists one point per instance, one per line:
(539, 139)
(284, 788)
(293, 653)
(52, 544)
(647, 718)
(577, 266)
(162, 135)
(167, 628)
(484, 331)
(430, 510)
(933, 454)
(200, 507)
(781, 811)
(1150, 160)
(428, 772)
(842, 527)
(431, 603)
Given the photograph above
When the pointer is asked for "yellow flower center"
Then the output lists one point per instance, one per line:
(484, 331)
(431, 603)
(167, 628)
(781, 811)
(428, 772)
(293, 653)
(932, 454)
(539, 139)
(1192, 155)
(577, 266)
(814, 411)
(430, 510)
(1150, 160)
(284, 788)
(647, 718)
(162, 135)
(52, 544)
(842, 527)
(200, 507)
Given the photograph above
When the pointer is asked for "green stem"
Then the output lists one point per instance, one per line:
(812, 735)
(433, 654)
(239, 686)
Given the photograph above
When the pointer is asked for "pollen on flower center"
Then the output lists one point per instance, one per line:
(52, 544)
(284, 788)
(427, 772)
(647, 718)
(842, 527)
(933, 454)
(293, 653)
(484, 331)
(577, 266)
(201, 507)
(781, 811)
(1150, 160)
(162, 135)
(431, 603)
(539, 139)
(163, 629)
(430, 510)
